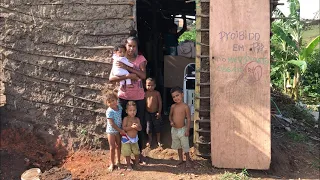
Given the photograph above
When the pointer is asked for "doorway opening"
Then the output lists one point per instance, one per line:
(156, 22)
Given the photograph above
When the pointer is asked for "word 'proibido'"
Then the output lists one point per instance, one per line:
(239, 35)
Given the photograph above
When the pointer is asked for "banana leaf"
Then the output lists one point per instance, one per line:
(299, 63)
(309, 48)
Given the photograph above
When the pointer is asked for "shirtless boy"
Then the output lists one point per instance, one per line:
(180, 128)
(153, 111)
(131, 125)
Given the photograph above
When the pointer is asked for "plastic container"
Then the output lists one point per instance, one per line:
(31, 174)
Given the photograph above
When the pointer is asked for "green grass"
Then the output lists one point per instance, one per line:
(309, 34)
(296, 136)
(244, 175)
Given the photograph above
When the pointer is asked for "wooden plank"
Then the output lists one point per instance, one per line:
(2, 100)
(196, 114)
(2, 88)
(240, 84)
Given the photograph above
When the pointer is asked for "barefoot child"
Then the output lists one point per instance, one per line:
(153, 111)
(113, 130)
(180, 128)
(119, 56)
(131, 125)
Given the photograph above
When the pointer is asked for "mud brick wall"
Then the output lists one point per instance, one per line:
(2, 87)
(57, 58)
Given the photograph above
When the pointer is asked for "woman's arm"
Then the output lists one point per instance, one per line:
(113, 78)
(184, 28)
(140, 73)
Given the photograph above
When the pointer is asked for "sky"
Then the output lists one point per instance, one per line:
(308, 8)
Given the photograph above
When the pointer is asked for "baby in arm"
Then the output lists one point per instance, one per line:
(119, 56)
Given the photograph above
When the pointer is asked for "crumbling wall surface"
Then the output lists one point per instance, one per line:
(2, 87)
(57, 58)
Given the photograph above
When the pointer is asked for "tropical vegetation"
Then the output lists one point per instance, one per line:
(295, 66)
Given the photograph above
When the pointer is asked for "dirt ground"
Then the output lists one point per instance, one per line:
(21, 150)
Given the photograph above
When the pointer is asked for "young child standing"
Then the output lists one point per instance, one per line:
(131, 125)
(180, 128)
(153, 111)
(119, 56)
(113, 130)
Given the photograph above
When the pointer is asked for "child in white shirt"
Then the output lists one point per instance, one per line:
(119, 56)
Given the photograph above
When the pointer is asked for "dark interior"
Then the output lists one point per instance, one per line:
(154, 18)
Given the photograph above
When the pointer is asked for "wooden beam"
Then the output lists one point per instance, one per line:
(196, 114)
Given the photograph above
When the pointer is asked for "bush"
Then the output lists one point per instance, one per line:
(189, 35)
(310, 91)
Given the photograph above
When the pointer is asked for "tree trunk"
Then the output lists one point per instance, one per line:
(296, 83)
(288, 86)
(284, 82)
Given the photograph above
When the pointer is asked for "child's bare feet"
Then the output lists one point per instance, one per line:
(137, 166)
(188, 164)
(142, 159)
(129, 86)
(111, 167)
(159, 144)
(118, 165)
(129, 168)
(148, 144)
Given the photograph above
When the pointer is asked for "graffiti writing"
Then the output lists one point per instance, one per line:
(251, 74)
(256, 47)
(242, 59)
(239, 35)
(229, 69)
(238, 47)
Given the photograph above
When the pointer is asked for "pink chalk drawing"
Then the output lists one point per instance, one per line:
(251, 74)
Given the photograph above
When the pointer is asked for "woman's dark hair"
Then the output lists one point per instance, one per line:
(133, 33)
(133, 36)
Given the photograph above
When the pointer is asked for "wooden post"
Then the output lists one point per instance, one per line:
(197, 81)
(240, 83)
(2, 86)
